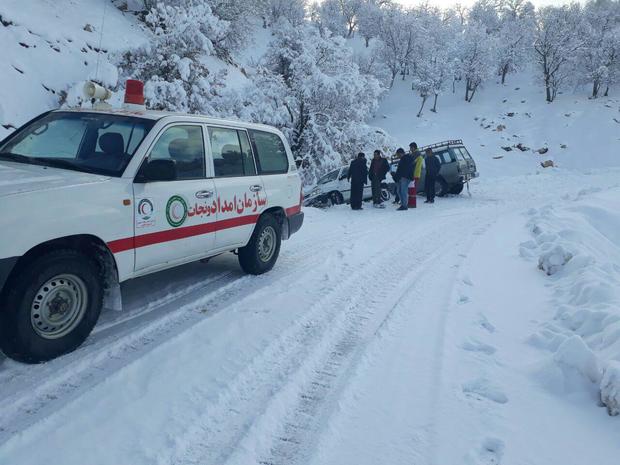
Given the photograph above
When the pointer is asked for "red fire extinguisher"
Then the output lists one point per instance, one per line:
(412, 194)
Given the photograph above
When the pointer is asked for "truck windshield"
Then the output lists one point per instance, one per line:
(91, 142)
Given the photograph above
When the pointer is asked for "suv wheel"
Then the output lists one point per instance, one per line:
(457, 188)
(441, 187)
(335, 198)
(51, 306)
(261, 253)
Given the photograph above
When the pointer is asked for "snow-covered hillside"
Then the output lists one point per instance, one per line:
(50, 46)
(578, 132)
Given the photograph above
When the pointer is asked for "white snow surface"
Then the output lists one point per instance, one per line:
(483, 329)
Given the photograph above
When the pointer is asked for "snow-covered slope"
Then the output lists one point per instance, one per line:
(579, 133)
(47, 50)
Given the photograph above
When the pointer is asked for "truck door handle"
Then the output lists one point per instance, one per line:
(256, 188)
(204, 194)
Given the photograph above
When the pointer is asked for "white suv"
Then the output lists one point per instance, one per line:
(335, 189)
(90, 198)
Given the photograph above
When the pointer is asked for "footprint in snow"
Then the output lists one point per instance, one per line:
(482, 388)
(473, 345)
(486, 324)
(467, 281)
(463, 299)
(490, 452)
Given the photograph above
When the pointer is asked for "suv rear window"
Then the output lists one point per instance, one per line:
(445, 157)
(92, 142)
(272, 157)
(460, 153)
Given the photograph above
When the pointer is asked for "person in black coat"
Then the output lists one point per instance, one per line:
(358, 176)
(379, 167)
(433, 166)
(404, 175)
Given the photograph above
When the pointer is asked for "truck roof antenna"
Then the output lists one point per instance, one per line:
(105, 7)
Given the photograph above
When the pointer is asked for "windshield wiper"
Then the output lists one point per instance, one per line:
(16, 157)
(59, 163)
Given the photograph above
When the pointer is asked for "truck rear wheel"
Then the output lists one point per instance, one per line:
(261, 253)
(50, 306)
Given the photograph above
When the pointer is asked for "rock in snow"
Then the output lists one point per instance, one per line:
(553, 260)
(610, 388)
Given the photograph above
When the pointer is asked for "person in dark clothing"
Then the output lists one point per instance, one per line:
(404, 174)
(358, 177)
(433, 165)
(378, 169)
(399, 153)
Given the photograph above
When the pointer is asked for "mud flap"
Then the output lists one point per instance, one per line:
(112, 298)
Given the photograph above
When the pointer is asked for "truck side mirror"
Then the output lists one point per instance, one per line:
(157, 170)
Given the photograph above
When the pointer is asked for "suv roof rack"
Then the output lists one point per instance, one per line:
(445, 143)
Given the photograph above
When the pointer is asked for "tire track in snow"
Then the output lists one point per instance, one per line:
(396, 321)
(309, 351)
(28, 397)
(294, 443)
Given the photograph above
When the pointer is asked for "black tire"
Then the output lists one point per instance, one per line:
(457, 188)
(252, 258)
(336, 198)
(19, 339)
(441, 187)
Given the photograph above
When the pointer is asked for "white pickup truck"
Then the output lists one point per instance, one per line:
(91, 198)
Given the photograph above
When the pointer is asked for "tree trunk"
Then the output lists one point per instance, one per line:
(595, 88)
(423, 102)
(504, 73)
(473, 91)
(606, 94)
(434, 109)
(467, 90)
(393, 79)
(454, 86)
(548, 90)
(367, 39)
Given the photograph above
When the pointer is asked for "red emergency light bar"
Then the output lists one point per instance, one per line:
(134, 92)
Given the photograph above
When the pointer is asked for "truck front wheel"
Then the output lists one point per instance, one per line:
(50, 306)
(261, 253)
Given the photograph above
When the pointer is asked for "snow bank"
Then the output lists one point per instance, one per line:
(578, 247)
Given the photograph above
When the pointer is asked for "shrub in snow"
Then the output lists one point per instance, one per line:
(476, 59)
(599, 58)
(553, 260)
(610, 388)
(172, 66)
(557, 40)
(309, 86)
(434, 63)
(397, 34)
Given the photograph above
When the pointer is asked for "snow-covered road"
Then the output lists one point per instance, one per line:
(377, 338)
